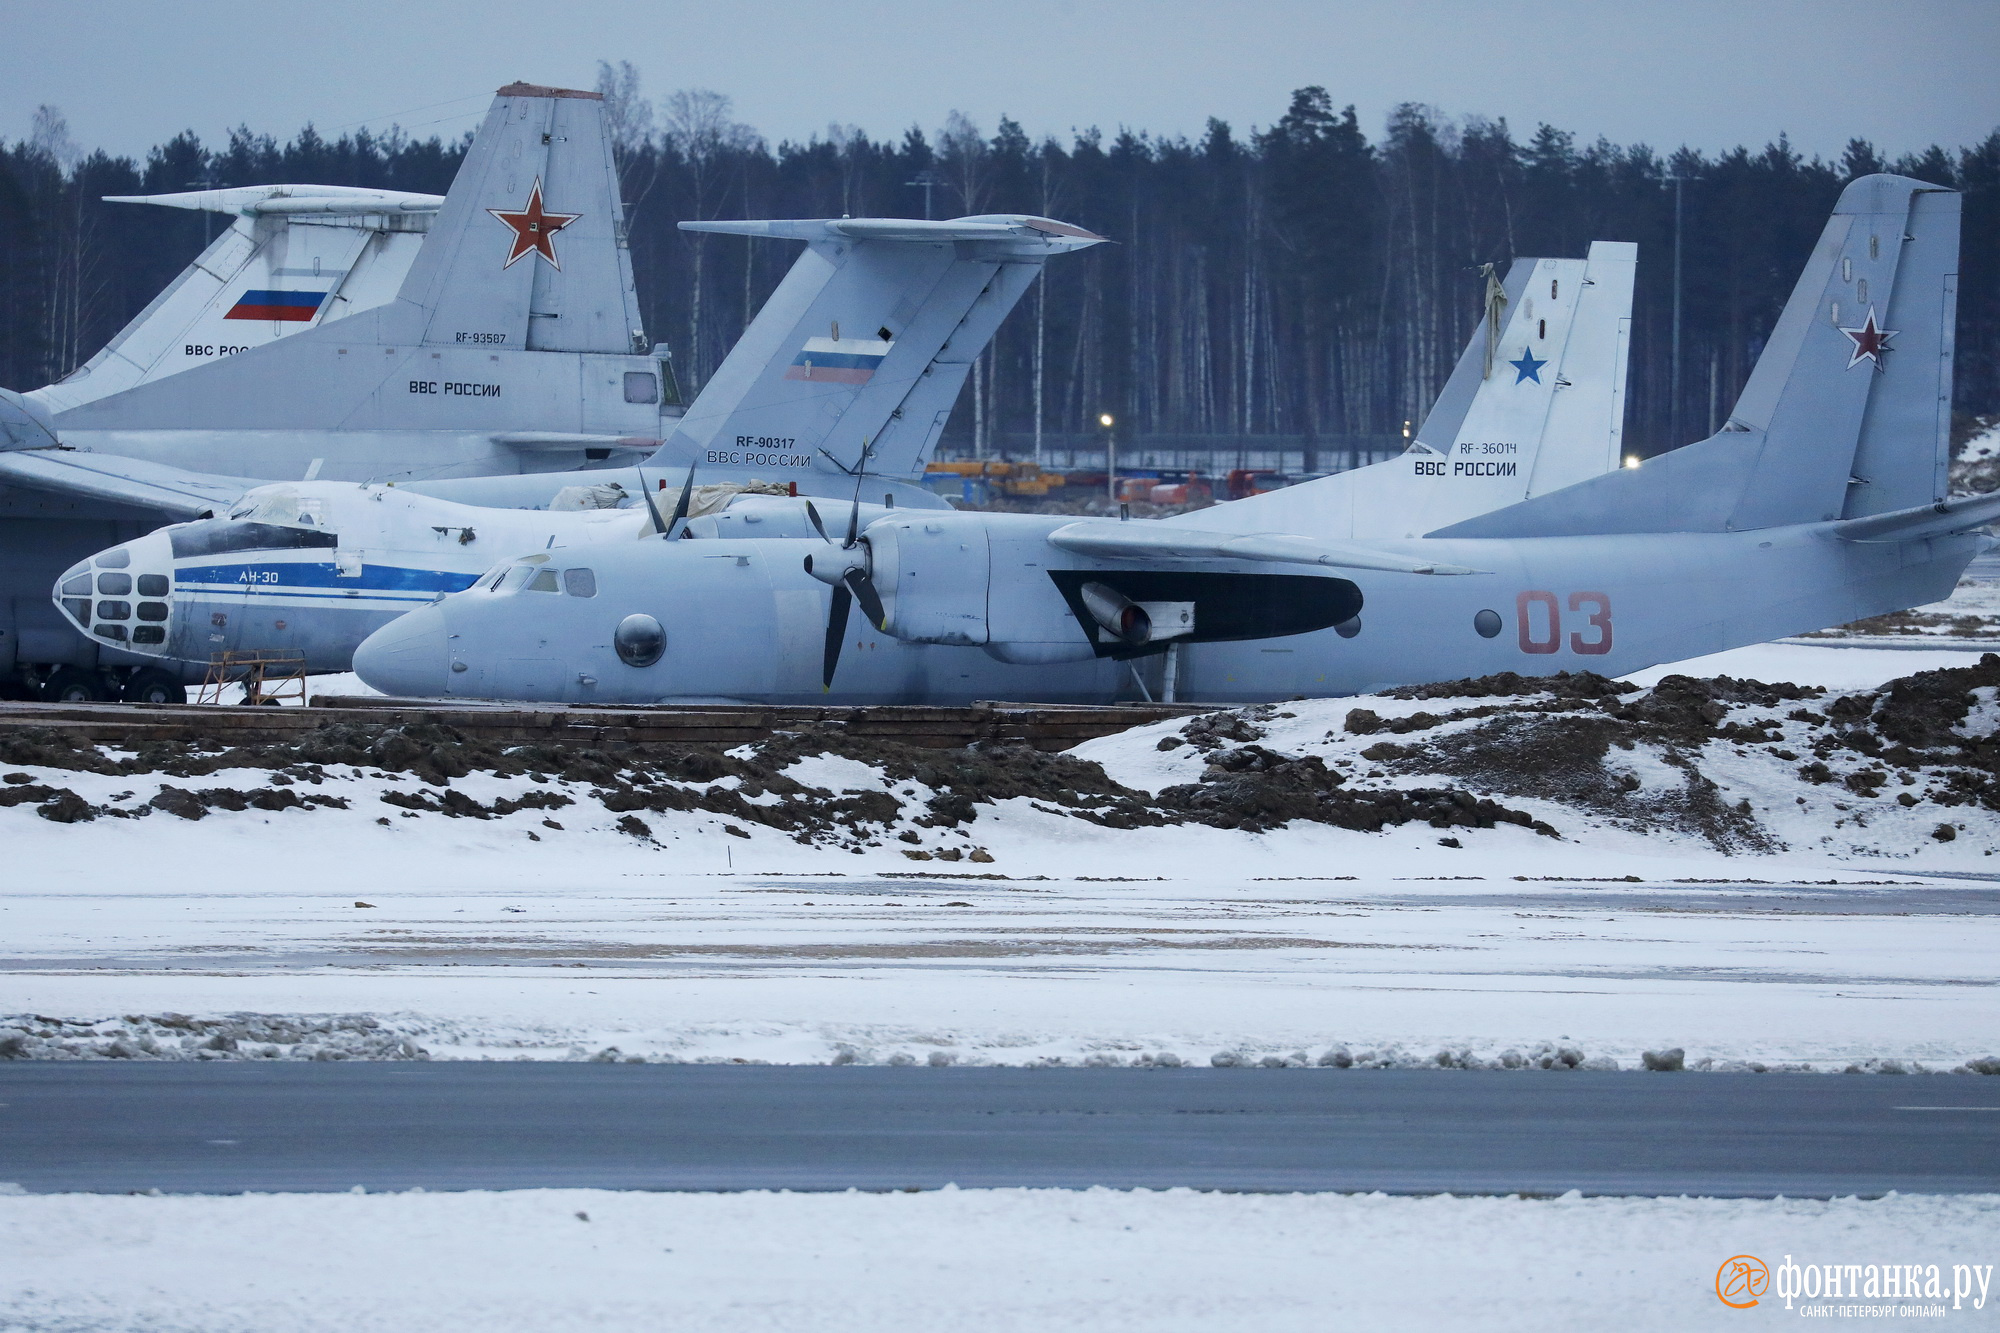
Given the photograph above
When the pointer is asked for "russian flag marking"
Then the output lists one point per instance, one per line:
(296, 307)
(838, 361)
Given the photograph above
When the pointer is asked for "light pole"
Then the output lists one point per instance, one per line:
(1674, 371)
(1106, 420)
(926, 179)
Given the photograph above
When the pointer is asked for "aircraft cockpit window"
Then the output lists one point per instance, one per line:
(516, 577)
(110, 632)
(114, 585)
(77, 587)
(155, 611)
(114, 610)
(149, 634)
(580, 582)
(641, 387)
(117, 559)
(544, 581)
(152, 585)
(220, 536)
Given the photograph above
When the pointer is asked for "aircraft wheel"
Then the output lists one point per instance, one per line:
(74, 685)
(153, 687)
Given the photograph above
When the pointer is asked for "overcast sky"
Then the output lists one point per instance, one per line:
(1707, 73)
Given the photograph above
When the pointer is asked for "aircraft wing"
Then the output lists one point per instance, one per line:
(130, 481)
(1140, 541)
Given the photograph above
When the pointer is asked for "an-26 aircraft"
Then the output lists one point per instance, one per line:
(1822, 499)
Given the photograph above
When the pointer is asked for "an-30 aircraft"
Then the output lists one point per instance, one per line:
(1821, 500)
(852, 364)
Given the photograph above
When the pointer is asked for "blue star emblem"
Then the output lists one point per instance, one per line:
(1527, 368)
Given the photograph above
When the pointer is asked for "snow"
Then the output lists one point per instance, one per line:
(553, 934)
(1103, 1260)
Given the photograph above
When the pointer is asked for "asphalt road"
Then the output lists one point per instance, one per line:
(226, 1127)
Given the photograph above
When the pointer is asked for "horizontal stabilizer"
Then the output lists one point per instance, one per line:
(1147, 541)
(275, 200)
(128, 481)
(999, 228)
(1960, 514)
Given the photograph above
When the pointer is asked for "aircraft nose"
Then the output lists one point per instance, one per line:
(409, 657)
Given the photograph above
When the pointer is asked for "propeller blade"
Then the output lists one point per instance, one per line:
(836, 633)
(812, 516)
(853, 520)
(646, 494)
(681, 505)
(864, 592)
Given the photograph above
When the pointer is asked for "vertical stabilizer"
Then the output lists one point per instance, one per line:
(1535, 403)
(854, 362)
(1845, 413)
(529, 249)
(291, 258)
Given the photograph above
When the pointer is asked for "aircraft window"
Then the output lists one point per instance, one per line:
(152, 585)
(1487, 623)
(110, 632)
(219, 536)
(77, 587)
(639, 640)
(580, 582)
(517, 576)
(641, 387)
(544, 581)
(114, 585)
(149, 634)
(493, 581)
(117, 559)
(78, 607)
(114, 610)
(152, 610)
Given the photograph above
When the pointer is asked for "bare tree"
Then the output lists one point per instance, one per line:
(700, 127)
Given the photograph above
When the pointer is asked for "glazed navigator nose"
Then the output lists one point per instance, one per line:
(409, 657)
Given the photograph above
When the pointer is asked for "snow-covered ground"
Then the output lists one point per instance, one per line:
(1822, 928)
(540, 1261)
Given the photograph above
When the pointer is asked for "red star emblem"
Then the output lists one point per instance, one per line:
(534, 227)
(1870, 341)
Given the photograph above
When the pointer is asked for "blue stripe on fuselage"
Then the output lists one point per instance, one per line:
(289, 576)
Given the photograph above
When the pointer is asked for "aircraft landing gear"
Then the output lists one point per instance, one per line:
(149, 685)
(74, 685)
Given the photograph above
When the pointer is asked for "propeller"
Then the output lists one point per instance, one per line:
(680, 505)
(848, 572)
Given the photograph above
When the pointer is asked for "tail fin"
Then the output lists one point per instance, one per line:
(1536, 403)
(515, 326)
(855, 361)
(529, 249)
(293, 257)
(1846, 412)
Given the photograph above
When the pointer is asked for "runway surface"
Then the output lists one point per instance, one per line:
(230, 1127)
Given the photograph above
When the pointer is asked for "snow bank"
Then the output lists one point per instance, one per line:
(551, 1260)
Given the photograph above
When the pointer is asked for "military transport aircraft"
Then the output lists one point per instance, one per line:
(339, 333)
(1821, 500)
(1535, 401)
(850, 368)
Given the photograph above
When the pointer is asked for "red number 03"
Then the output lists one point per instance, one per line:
(1539, 623)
